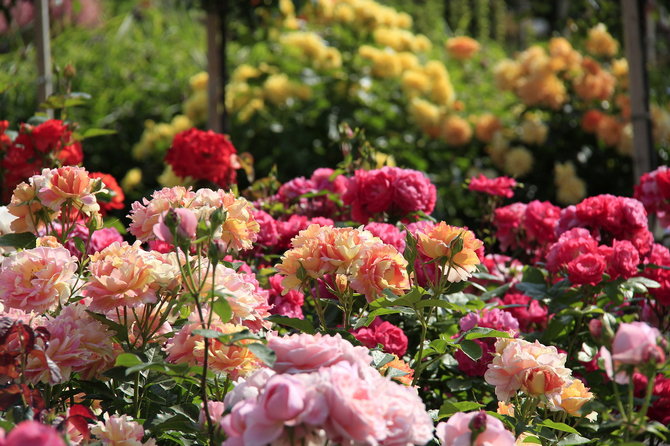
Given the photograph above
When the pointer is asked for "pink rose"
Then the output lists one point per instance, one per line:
(413, 192)
(622, 260)
(102, 238)
(637, 343)
(501, 186)
(283, 398)
(186, 223)
(32, 433)
(307, 353)
(474, 429)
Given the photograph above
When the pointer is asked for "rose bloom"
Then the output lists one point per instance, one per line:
(32, 433)
(369, 193)
(637, 343)
(71, 184)
(462, 47)
(300, 353)
(203, 155)
(37, 279)
(145, 214)
(77, 344)
(120, 431)
(501, 186)
(437, 243)
(456, 131)
(458, 429)
(392, 338)
(121, 275)
(388, 233)
(571, 399)
(25, 206)
(590, 120)
(486, 126)
(186, 347)
(533, 367)
(600, 42)
(381, 268)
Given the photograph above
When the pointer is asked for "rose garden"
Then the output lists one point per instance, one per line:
(367, 223)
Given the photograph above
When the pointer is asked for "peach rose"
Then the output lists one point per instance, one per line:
(37, 279)
(121, 275)
(572, 397)
(438, 242)
(120, 431)
(531, 367)
(27, 209)
(69, 184)
(381, 268)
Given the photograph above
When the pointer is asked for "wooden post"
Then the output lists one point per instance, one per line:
(644, 154)
(217, 113)
(43, 46)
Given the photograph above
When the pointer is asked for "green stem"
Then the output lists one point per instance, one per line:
(417, 363)
(647, 398)
(318, 308)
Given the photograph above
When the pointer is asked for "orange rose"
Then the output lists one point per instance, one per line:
(462, 47)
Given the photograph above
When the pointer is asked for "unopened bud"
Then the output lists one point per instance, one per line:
(69, 71)
(596, 328)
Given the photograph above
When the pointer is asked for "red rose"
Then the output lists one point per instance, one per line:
(369, 193)
(480, 366)
(117, 195)
(392, 338)
(71, 155)
(501, 186)
(586, 269)
(203, 155)
(50, 135)
(529, 312)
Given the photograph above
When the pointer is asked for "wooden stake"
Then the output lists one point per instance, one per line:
(217, 114)
(644, 154)
(43, 46)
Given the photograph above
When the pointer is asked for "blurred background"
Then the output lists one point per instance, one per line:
(531, 89)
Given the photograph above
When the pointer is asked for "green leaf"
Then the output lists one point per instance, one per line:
(303, 325)
(21, 240)
(380, 359)
(127, 360)
(392, 372)
(574, 439)
(448, 408)
(471, 348)
(206, 333)
(222, 308)
(531, 439)
(263, 352)
(559, 426)
(482, 332)
(533, 275)
(90, 133)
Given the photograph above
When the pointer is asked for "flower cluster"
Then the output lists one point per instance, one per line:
(474, 428)
(495, 319)
(203, 155)
(501, 186)
(239, 229)
(318, 188)
(323, 388)
(354, 256)
(537, 371)
(34, 148)
(389, 190)
(530, 227)
(67, 192)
